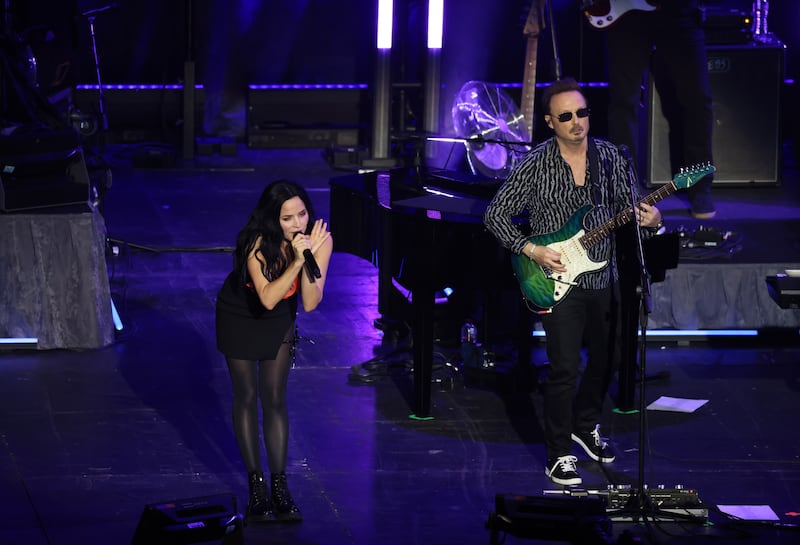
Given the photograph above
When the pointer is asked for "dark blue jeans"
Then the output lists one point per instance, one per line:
(572, 405)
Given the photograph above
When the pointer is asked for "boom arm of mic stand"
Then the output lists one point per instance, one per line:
(481, 140)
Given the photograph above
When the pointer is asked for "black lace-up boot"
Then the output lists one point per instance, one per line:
(282, 502)
(258, 506)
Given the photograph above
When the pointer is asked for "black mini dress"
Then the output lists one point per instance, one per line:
(245, 329)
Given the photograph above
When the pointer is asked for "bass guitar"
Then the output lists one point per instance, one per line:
(601, 14)
(544, 288)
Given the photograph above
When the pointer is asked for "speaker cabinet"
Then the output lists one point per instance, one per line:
(43, 168)
(205, 519)
(305, 116)
(746, 85)
(135, 113)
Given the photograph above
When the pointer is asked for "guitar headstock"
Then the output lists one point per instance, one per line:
(532, 20)
(688, 176)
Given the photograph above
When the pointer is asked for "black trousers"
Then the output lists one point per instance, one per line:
(671, 42)
(583, 317)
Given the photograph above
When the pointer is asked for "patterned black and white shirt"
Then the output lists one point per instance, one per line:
(542, 185)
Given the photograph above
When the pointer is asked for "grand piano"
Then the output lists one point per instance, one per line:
(423, 230)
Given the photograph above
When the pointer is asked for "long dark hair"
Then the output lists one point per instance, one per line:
(264, 222)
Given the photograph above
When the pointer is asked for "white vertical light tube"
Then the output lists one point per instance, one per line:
(433, 70)
(435, 23)
(383, 89)
(385, 23)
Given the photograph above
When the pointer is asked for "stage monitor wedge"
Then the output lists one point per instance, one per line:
(204, 519)
(784, 290)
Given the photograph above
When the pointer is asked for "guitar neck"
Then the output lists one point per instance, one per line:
(529, 83)
(529, 73)
(602, 231)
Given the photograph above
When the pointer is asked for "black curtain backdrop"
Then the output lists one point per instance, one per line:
(238, 42)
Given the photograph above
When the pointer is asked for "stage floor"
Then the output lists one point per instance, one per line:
(90, 437)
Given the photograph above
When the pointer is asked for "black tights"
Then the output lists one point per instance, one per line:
(265, 379)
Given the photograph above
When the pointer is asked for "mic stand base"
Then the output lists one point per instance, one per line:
(640, 508)
(626, 505)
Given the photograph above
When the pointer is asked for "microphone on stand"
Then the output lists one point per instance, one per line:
(311, 264)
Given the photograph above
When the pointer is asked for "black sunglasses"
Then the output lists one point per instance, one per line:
(566, 116)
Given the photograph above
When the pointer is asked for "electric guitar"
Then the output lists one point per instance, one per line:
(542, 287)
(529, 76)
(604, 13)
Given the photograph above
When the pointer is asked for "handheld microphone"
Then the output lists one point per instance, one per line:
(311, 264)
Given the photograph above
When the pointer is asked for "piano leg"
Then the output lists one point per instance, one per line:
(422, 314)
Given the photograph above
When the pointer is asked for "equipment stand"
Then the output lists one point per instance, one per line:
(639, 505)
(91, 15)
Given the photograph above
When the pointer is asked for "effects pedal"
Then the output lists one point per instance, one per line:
(706, 237)
(678, 501)
(662, 503)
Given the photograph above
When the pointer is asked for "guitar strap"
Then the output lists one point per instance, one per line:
(594, 173)
(595, 180)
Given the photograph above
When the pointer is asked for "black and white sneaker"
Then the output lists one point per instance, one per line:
(563, 470)
(595, 446)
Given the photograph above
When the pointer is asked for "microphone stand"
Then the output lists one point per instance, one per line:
(478, 141)
(639, 506)
(91, 15)
(643, 290)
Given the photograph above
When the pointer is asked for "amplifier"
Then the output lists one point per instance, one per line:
(300, 116)
(306, 137)
(784, 290)
(727, 26)
(42, 168)
(746, 140)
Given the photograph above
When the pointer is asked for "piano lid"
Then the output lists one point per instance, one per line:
(448, 207)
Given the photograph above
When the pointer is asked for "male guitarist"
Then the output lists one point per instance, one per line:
(555, 184)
